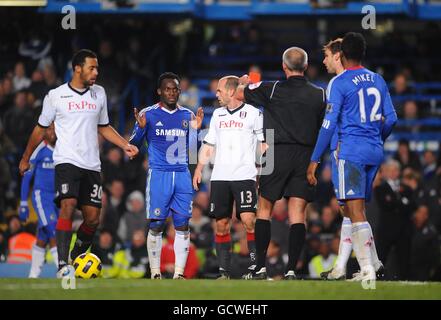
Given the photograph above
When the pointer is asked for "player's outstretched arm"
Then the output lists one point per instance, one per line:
(34, 140)
(243, 82)
(110, 134)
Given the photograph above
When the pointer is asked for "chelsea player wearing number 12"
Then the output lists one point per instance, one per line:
(359, 105)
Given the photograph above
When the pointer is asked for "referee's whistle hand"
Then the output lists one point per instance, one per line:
(197, 177)
(310, 173)
(244, 80)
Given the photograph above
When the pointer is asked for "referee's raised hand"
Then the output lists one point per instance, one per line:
(140, 119)
(244, 80)
(310, 173)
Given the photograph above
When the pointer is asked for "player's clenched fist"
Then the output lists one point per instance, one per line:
(23, 166)
(131, 150)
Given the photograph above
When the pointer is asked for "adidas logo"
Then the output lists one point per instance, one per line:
(159, 124)
(350, 193)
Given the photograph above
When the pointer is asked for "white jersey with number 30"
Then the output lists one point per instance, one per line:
(235, 133)
(77, 116)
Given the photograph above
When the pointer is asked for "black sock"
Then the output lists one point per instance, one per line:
(63, 235)
(223, 252)
(263, 237)
(251, 248)
(63, 244)
(84, 239)
(297, 233)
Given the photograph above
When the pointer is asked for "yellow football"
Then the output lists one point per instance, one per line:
(87, 266)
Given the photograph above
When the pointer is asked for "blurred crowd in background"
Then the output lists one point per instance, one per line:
(406, 209)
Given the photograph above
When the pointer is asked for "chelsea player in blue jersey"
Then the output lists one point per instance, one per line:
(359, 105)
(43, 194)
(333, 64)
(169, 192)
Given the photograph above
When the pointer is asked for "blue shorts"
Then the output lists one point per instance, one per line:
(352, 180)
(46, 233)
(168, 193)
(47, 211)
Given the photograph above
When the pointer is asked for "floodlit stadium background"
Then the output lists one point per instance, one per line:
(202, 41)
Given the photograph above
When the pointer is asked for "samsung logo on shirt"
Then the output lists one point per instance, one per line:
(171, 132)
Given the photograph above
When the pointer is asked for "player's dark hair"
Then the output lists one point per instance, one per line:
(353, 46)
(79, 58)
(168, 75)
(334, 46)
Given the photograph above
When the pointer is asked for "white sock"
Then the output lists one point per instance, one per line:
(362, 242)
(375, 261)
(345, 247)
(38, 254)
(54, 254)
(154, 247)
(181, 246)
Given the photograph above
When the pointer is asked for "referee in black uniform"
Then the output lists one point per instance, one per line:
(294, 108)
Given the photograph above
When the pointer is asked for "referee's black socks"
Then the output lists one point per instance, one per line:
(297, 233)
(263, 236)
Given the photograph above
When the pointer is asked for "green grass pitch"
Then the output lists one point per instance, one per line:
(213, 290)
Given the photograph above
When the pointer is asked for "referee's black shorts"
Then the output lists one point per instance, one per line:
(288, 178)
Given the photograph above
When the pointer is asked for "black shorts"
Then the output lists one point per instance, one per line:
(224, 193)
(288, 178)
(81, 184)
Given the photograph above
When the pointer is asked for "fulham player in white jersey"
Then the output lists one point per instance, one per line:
(79, 110)
(235, 130)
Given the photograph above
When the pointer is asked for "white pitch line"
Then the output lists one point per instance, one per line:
(47, 286)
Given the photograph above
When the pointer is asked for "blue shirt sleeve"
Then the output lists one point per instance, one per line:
(335, 102)
(27, 178)
(390, 116)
